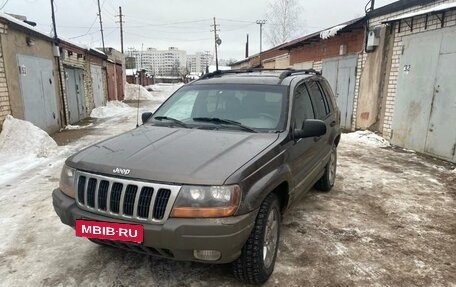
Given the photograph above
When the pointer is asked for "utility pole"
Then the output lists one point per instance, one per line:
(121, 29)
(261, 23)
(217, 41)
(247, 47)
(101, 25)
(53, 21)
(57, 57)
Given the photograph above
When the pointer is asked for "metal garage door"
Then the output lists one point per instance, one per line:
(97, 86)
(38, 92)
(341, 75)
(425, 106)
(74, 88)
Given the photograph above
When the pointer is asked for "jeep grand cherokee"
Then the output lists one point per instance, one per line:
(208, 176)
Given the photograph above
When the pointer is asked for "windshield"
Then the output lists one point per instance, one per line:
(259, 107)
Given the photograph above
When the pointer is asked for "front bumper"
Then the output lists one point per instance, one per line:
(177, 237)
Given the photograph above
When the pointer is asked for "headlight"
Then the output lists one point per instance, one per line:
(67, 181)
(207, 201)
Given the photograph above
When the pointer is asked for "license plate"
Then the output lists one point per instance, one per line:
(110, 230)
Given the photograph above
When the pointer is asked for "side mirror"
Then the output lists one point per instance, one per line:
(146, 116)
(310, 128)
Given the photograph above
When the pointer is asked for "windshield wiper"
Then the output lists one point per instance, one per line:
(176, 121)
(225, 122)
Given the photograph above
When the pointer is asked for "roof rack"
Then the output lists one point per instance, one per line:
(290, 72)
(284, 74)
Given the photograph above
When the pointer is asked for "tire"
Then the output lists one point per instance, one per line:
(259, 253)
(326, 182)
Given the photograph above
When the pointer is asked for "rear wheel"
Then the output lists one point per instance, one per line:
(259, 253)
(326, 182)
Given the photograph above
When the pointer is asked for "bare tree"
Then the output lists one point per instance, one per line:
(284, 20)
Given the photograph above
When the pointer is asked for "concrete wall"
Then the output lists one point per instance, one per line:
(13, 42)
(5, 108)
(392, 74)
(370, 99)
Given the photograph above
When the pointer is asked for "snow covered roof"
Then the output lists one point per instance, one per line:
(424, 11)
(331, 31)
(323, 34)
(24, 25)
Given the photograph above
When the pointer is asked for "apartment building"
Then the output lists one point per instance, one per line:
(160, 62)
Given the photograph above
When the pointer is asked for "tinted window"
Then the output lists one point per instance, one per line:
(328, 92)
(318, 100)
(302, 108)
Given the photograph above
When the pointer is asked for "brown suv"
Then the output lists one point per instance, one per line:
(208, 176)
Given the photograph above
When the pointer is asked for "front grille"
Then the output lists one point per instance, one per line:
(121, 198)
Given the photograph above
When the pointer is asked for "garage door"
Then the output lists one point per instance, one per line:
(425, 106)
(74, 88)
(341, 75)
(38, 92)
(97, 86)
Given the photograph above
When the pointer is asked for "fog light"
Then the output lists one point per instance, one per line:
(209, 255)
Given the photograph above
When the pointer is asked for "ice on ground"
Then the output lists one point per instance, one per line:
(22, 138)
(365, 138)
(113, 108)
(133, 91)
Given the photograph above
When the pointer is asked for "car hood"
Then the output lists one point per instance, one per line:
(173, 155)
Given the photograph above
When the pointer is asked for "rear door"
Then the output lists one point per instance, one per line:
(323, 111)
(304, 152)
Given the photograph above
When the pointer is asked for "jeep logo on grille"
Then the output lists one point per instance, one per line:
(122, 171)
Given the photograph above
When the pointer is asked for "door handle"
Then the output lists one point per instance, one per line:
(333, 123)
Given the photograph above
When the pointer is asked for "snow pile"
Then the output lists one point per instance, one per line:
(22, 138)
(112, 108)
(367, 138)
(132, 92)
(331, 31)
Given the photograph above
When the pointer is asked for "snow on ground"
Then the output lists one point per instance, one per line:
(112, 108)
(76, 127)
(160, 92)
(132, 91)
(367, 138)
(389, 221)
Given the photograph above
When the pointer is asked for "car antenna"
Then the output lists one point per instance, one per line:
(137, 109)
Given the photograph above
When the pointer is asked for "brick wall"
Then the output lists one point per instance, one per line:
(5, 108)
(359, 70)
(418, 27)
(329, 48)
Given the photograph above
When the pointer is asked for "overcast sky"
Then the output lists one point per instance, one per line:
(180, 23)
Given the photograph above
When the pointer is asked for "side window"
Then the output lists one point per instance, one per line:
(328, 92)
(302, 108)
(318, 100)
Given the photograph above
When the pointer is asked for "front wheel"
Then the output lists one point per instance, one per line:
(259, 253)
(326, 182)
